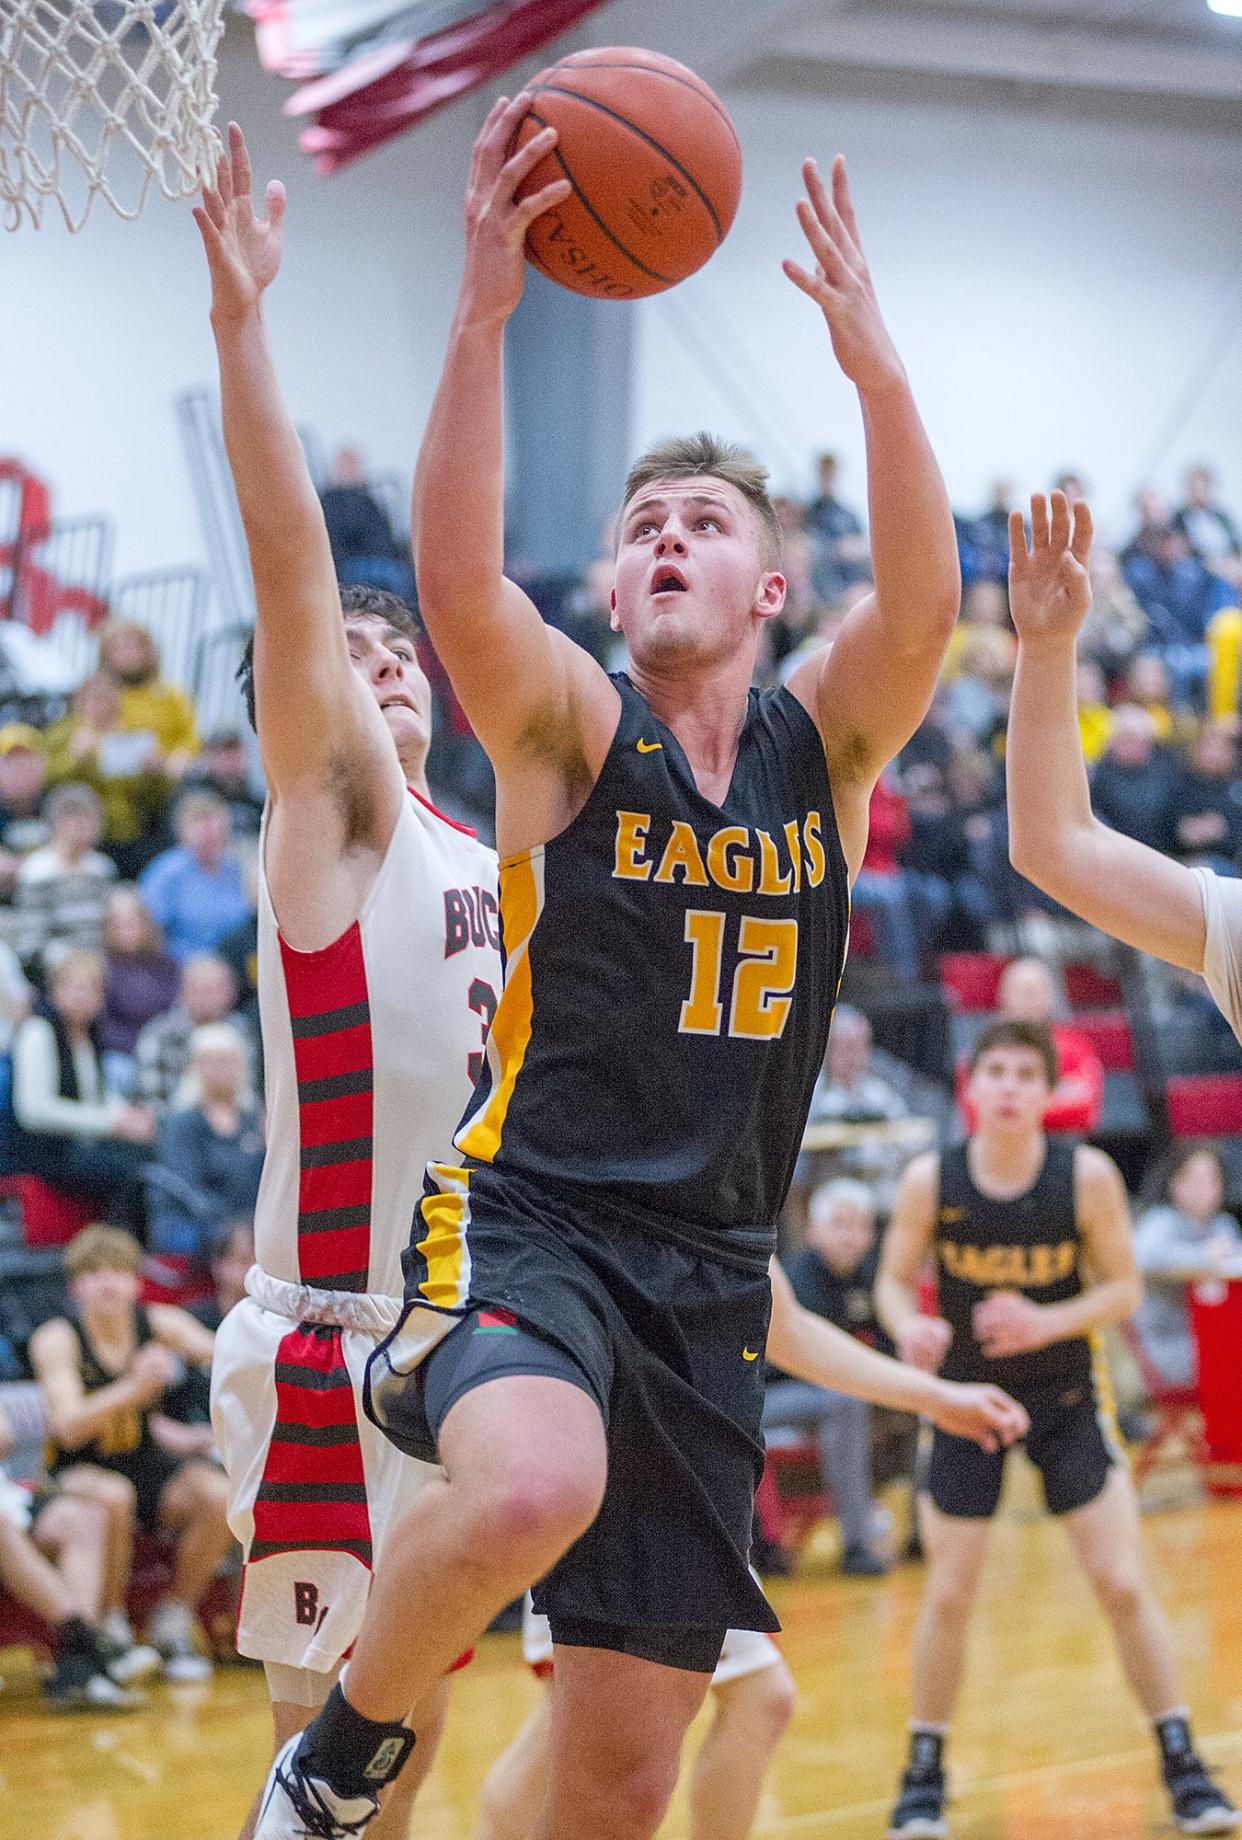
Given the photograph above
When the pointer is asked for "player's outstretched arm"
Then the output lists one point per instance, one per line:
(1055, 839)
(811, 1349)
(1008, 1323)
(307, 699)
(873, 688)
(904, 1253)
(520, 682)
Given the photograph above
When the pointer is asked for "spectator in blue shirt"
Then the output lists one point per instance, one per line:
(197, 891)
(1179, 595)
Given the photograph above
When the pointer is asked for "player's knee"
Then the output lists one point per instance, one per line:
(1119, 1589)
(777, 1700)
(212, 1493)
(78, 1518)
(951, 1595)
(544, 1509)
(116, 1495)
(638, 1792)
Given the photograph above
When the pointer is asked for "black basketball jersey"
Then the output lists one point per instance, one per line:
(124, 1442)
(1031, 1244)
(671, 967)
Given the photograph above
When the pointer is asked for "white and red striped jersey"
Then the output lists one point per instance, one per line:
(370, 1049)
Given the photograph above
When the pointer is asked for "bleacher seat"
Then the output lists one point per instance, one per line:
(175, 1277)
(971, 980)
(51, 1216)
(791, 1499)
(1108, 1031)
(1205, 1105)
(1087, 988)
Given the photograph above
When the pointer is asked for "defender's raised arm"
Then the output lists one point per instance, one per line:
(1055, 840)
(871, 690)
(311, 705)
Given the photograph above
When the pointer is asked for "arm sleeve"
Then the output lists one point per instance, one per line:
(1222, 957)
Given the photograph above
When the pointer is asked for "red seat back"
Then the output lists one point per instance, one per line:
(51, 1216)
(971, 980)
(1205, 1105)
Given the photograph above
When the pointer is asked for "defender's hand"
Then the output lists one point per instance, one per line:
(841, 284)
(496, 222)
(1006, 1323)
(925, 1342)
(983, 1414)
(1049, 588)
(243, 251)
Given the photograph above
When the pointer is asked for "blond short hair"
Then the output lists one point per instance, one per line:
(703, 455)
(102, 1248)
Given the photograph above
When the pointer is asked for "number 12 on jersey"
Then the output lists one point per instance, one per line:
(761, 997)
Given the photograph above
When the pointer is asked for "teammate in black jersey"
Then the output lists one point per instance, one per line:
(1032, 1247)
(589, 1266)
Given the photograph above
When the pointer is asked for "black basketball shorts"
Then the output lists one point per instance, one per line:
(1068, 1443)
(670, 1344)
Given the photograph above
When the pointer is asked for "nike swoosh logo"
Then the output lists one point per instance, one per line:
(649, 747)
(748, 1356)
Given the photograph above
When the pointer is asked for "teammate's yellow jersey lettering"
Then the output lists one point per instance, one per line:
(1026, 1267)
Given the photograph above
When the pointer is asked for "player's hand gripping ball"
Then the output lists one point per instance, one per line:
(655, 167)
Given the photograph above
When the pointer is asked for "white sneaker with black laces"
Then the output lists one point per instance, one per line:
(300, 1807)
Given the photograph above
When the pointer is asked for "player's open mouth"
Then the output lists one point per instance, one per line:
(396, 702)
(668, 581)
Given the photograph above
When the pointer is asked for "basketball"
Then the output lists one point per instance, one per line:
(655, 165)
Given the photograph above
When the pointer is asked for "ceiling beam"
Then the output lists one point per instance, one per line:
(712, 39)
(1012, 50)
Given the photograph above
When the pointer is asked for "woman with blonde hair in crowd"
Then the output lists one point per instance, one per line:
(150, 704)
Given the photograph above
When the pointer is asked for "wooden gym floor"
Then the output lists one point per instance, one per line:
(1047, 1745)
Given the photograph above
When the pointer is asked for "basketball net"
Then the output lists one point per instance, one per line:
(101, 98)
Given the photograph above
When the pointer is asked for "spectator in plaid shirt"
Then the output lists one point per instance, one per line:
(162, 1055)
(63, 889)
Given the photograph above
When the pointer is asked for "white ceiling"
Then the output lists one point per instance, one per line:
(1145, 58)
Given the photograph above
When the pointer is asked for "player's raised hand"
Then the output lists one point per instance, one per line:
(496, 220)
(243, 251)
(1049, 588)
(841, 284)
(984, 1414)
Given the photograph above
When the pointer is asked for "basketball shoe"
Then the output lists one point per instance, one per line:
(1200, 1806)
(296, 1804)
(80, 1681)
(170, 1631)
(919, 1810)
